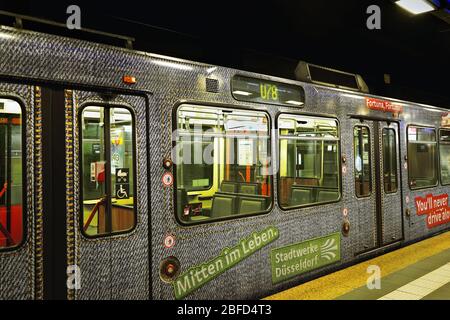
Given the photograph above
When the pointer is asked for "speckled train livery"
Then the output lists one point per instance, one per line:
(127, 266)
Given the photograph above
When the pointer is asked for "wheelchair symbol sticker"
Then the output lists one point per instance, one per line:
(122, 191)
(167, 179)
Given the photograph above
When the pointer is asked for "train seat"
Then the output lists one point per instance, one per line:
(229, 186)
(249, 188)
(327, 195)
(251, 205)
(223, 205)
(300, 196)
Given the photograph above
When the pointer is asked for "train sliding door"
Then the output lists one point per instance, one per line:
(390, 199)
(106, 196)
(20, 212)
(376, 171)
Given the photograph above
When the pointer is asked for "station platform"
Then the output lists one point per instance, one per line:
(420, 271)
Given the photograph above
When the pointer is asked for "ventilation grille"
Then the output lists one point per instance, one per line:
(212, 85)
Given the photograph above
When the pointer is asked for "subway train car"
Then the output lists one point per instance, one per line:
(129, 175)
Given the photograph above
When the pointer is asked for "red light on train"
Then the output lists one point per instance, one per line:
(129, 80)
(169, 269)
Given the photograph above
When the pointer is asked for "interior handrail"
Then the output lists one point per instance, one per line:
(7, 234)
(94, 212)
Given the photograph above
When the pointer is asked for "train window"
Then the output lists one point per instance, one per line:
(444, 150)
(11, 180)
(107, 164)
(222, 163)
(422, 150)
(309, 161)
(363, 167)
(389, 160)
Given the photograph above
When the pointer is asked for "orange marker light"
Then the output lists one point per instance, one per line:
(129, 80)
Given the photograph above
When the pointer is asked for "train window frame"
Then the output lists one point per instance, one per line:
(24, 124)
(437, 160)
(439, 154)
(339, 152)
(108, 106)
(230, 218)
(370, 162)
(396, 160)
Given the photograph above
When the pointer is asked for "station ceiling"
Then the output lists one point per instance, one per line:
(271, 36)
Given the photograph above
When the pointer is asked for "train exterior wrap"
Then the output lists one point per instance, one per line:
(245, 257)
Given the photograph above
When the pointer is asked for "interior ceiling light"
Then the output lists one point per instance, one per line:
(415, 6)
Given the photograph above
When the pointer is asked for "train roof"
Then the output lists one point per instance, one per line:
(6, 34)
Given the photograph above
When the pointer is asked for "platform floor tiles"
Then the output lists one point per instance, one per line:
(418, 271)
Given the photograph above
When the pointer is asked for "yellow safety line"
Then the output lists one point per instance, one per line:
(341, 282)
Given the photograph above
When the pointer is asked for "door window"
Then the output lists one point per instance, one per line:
(389, 160)
(108, 170)
(11, 171)
(363, 167)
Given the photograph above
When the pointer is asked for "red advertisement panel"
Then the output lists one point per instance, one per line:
(435, 207)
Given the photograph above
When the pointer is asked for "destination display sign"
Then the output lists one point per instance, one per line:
(383, 105)
(264, 91)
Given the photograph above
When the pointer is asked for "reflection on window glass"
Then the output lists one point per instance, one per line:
(444, 148)
(389, 160)
(363, 169)
(196, 175)
(107, 170)
(309, 160)
(222, 163)
(11, 188)
(422, 157)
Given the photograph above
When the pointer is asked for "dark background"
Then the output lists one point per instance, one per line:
(271, 36)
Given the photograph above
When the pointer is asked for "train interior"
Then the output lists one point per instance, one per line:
(11, 198)
(422, 148)
(309, 163)
(225, 164)
(108, 190)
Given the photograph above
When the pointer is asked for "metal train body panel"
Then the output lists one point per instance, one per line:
(128, 266)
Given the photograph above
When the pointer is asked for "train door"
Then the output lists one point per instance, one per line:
(376, 183)
(95, 196)
(19, 218)
(106, 196)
